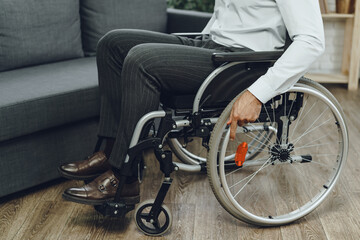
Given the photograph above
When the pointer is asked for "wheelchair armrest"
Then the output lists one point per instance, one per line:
(247, 56)
(188, 34)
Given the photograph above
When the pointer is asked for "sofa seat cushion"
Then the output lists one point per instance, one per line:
(37, 98)
(99, 17)
(38, 31)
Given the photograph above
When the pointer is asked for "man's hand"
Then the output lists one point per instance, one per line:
(245, 109)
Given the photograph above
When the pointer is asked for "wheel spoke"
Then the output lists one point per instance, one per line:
(254, 174)
(273, 107)
(318, 175)
(266, 138)
(266, 150)
(284, 99)
(144, 216)
(316, 139)
(316, 162)
(256, 138)
(302, 111)
(288, 116)
(262, 143)
(309, 131)
(304, 177)
(234, 171)
(326, 154)
(314, 145)
(247, 177)
(292, 104)
(156, 225)
(267, 113)
(266, 177)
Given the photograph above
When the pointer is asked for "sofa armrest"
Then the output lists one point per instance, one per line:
(186, 20)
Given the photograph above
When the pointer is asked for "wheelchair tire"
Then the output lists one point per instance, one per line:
(152, 227)
(284, 182)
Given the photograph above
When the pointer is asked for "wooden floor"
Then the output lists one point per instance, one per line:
(41, 213)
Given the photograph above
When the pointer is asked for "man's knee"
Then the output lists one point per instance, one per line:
(142, 56)
(143, 60)
(119, 38)
(107, 42)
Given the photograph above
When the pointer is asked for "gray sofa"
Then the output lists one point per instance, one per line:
(49, 101)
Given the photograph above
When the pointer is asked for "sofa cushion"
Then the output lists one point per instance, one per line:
(37, 98)
(99, 17)
(33, 159)
(38, 31)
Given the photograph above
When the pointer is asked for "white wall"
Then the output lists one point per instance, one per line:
(334, 36)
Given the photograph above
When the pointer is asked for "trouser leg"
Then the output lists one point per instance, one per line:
(111, 52)
(150, 70)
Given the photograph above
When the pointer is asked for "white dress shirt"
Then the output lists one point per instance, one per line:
(261, 26)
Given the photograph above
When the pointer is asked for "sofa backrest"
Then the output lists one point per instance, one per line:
(100, 16)
(42, 31)
(38, 31)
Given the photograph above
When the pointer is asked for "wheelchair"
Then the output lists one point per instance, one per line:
(290, 158)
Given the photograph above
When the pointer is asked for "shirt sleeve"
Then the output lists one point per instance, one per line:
(305, 27)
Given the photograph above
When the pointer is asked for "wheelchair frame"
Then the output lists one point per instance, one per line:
(203, 127)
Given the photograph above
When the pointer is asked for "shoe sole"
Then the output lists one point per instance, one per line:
(76, 177)
(127, 200)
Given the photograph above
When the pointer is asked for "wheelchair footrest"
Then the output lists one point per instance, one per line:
(114, 209)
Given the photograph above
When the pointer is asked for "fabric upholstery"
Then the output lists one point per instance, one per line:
(49, 113)
(99, 17)
(33, 159)
(37, 98)
(186, 21)
(38, 31)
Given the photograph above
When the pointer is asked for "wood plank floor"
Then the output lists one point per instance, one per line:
(41, 213)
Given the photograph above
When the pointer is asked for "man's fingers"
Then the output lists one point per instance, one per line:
(230, 118)
(233, 127)
(245, 109)
(242, 123)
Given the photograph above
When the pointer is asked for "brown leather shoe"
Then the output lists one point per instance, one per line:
(89, 168)
(103, 189)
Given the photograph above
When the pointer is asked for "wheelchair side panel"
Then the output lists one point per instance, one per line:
(229, 83)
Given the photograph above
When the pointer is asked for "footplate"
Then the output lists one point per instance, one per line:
(114, 209)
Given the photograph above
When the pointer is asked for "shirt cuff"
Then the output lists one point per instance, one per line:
(261, 90)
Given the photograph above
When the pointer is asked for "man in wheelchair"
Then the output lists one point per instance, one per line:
(139, 69)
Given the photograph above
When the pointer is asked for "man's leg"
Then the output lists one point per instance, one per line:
(148, 71)
(111, 52)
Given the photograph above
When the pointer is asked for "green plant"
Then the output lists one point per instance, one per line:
(198, 5)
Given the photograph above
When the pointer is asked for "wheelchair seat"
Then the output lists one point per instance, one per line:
(247, 56)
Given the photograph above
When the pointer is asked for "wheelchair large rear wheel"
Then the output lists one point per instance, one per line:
(297, 168)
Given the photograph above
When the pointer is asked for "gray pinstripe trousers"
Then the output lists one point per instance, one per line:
(135, 68)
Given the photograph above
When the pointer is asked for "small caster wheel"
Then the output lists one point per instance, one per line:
(152, 226)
